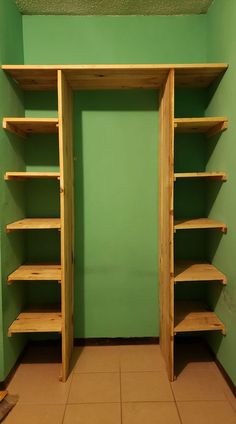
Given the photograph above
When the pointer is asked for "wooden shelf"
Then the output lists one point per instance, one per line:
(36, 272)
(35, 224)
(210, 126)
(37, 321)
(199, 223)
(26, 126)
(28, 175)
(41, 77)
(197, 271)
(195, 316)
(212, 175)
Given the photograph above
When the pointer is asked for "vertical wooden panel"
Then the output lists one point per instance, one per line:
(166, 224)
(65, 116)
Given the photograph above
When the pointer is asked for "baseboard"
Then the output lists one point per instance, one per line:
(107, 341)
(226, 376)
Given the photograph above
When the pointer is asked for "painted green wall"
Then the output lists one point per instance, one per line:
(12, 198)
(116, 286)
(221, 48)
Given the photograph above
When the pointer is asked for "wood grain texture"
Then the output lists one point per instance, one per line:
(37, 321)
(166, 258)
(65, 115)
(44, 77)
(193, 316)
(199, 223)
(211, 126)
(35, 224)
(210, 175)
(28, 175)
(26, 126)
(187, 270)
(36, 272)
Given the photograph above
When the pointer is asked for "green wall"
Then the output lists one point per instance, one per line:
(116, 285)
(221, 48)
(12, 197)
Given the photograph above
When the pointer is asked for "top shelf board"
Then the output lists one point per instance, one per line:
(210, 126)
(26, 126)
(94, 77)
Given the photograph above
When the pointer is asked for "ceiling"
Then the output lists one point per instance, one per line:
(113, 7)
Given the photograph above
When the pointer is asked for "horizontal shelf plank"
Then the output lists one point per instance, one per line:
(193, 316)
(35, 224)
(212, 175)
(37, 321)
(187, 270)
(26, 126)
(211, 126)
(199, 223)
(28, 175)
(44, 77)
(36, 272)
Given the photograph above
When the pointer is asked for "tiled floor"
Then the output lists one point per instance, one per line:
(121, 384)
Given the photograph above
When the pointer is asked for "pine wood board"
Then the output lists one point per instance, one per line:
(26, 126)
(197, 271)
(44, 77)
(36, 272)
(199, 223)
(35, 224)
(65, 114)
(37, 321)
(211, 125)
(212, 175)
(28, 175)
(191, 316)
(165, 222)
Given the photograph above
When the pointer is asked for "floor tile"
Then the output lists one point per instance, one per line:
(213, 412)
(95, 387)
(145, 386)
(150, 413)
(39, 383)
(93, 413)
(97, 359)
(141, 358)
(197, 384)
(36, 414)
(192, 356)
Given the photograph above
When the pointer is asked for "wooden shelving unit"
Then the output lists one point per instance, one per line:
(210, 126)
(26, 126)
(187, 271)
(191, 316)
(199, 224)
(210, 175)
(36, 272)
(35, 224)
(37, 321)
(28, 175)
(64, 79)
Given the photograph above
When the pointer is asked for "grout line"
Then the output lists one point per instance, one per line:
(121, 410)
(176, 404)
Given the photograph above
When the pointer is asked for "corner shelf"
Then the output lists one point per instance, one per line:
(37, 321)
(210, 126)
(199, 223)
(26, 126)
(35, 224)
(195, 316)
(211, 175)
(28, 175)
(36, 272)
(186, 271)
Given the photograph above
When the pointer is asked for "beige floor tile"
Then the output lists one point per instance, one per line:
(36, 414)
(39, 383)
(93, 413)
(97, 359)
(95, 387)
(150, 413)
(145, 386)
(141, 358)
(197, 384)
(213, 412)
